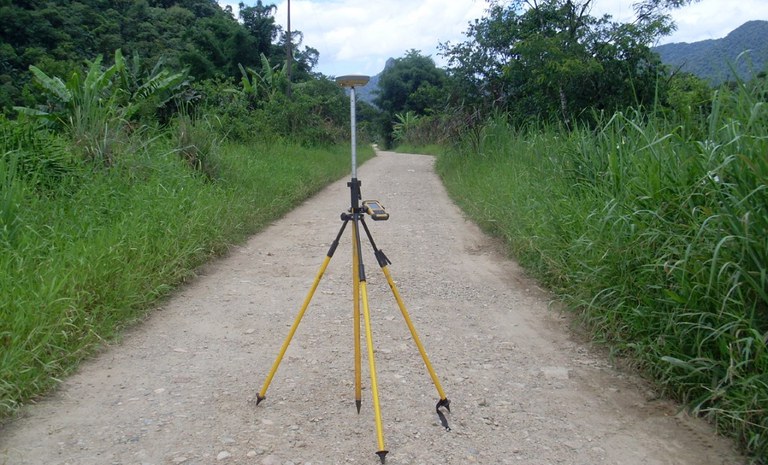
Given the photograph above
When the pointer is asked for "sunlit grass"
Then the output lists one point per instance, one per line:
(659, 241)
(81, 260)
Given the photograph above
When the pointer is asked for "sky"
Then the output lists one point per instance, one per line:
(358, 36)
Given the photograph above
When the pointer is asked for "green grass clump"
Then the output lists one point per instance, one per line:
(85, 256)
(659, 239)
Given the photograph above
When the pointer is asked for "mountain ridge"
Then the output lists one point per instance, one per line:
(745, 50)
(711, 59)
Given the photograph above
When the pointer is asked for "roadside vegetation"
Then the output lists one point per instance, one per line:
(655, 237)
(92, 252)
(638, 194)
(120, 177)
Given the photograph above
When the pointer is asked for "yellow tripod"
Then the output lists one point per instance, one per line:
(356, 215)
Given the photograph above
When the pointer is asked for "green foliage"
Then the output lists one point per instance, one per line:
(145, 93)
(404, 126)
(94, 108)
(263, 85)
(197, 144)
(429, 149)
(439, 129)
(12, 190)
(316, 114)
(553, 61)
(230, 105)
(77, 268)
(689, 99)
(82, 106)
(409, 84)
(656, 237)
(39, 158)
(260, 23)
(199, 35)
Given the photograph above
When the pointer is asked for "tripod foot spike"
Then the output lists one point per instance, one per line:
(382, 455)
(259, 398)
(447, 404)
(358, 404)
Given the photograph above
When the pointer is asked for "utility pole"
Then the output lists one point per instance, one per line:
(288, 53)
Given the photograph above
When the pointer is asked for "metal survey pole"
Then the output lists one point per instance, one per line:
(353, 81)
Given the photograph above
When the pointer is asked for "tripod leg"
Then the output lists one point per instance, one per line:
(263, 393)
(443, 402)
(356, 317)
(383, 262)
(372, 368)
(382, 452)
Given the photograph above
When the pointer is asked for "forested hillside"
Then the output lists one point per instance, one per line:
(199, 35)
(716, 59)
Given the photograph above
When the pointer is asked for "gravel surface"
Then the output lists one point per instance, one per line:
(180, 388)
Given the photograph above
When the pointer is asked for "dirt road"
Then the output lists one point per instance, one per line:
(181, 387)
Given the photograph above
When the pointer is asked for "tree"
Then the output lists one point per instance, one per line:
(409, 84)
(259, 20)
(303, 60)
(199, 35)
(654, 10)
(550, 59)
(57, 37)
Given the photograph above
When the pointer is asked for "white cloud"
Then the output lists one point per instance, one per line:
(713, 19)
(703, 19)
(358, 37)
(355, 36)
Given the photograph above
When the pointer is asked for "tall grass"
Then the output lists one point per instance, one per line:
(83, 258)
(658, 239)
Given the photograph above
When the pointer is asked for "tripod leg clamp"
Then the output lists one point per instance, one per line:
(381, 258)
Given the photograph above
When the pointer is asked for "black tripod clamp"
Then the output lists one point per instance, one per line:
(356, 197)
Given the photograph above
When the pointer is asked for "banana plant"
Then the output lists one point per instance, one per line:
(152, 90)
(405, 123)
(84, 105)
(263, 85)
(78, 96)
(94, 106)
(119, 90)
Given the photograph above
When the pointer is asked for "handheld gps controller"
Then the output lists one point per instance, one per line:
(375, 209)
